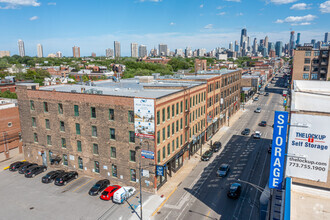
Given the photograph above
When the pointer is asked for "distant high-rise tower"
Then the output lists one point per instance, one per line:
(313, 41)
(243, 36)
(21, 48)
(291, 44)
(143, 51)
(255, 46)
(109, 52)
(326, 37)
(134, 50)
(278, 48)
(298, 39)
(231, 46)
(236, 46)
(40, 51)
(59, 54)
(76, 51)
(162, 49)
(117, 49)
(266, 42)
(188, 52)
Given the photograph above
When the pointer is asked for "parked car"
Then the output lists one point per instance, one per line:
(263, 124)
(98, 187)
(50, 177)
(266, 94)
(258, 110)
(65, 178)
(15, 166)
(234, 191)
(207, 155)
(107, 194)
(22, 169)
(223, 170)
(256, 99)
(33, 171)
(216, 146)
(123, 194)
(56, 160)
(270, 149)
(257, 135)
(246, 131)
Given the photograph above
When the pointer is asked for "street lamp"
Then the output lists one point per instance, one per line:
(260, 189)
(136, 149)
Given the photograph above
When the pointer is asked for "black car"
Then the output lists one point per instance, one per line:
(33, 171)
(267, 94)
(234, 191)
(99, 187)
(246, 131)
(216, 146)
(50, 177)
(66, 177)
(207, 155)
(263, 124)
(15, 166)
(22, 169)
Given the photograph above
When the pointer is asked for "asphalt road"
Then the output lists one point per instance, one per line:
(203, 195)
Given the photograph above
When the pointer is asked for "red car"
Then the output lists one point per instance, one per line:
(107, 194)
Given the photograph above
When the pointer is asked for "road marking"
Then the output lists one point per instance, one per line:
(161, 205)
(71, 182)
(208, 214)
(83, 184)
(5, 168)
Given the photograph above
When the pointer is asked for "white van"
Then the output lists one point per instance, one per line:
(123, 194)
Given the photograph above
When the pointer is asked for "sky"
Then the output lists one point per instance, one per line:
(94, 25)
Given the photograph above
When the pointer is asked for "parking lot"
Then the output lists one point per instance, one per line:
(28, 198)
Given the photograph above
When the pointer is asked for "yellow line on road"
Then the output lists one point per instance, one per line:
(208, 214)
(5, 168)
(83, 184)
(71, 182)
(161, 205)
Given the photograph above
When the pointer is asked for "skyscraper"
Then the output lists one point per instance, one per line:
(40, 52)
(143, 51)
(326, 37)
(243, 36)
(76, 51)
(109, 52)
(231, 46)
(134, 50)
(117, 49)
(59, 54)
(313, 41)
(271, 46)
(278, 48)
(255, 46)
(162, 49)
(266, 42)
(291, 44)
(236, 46)
(298, 39)
(188, 52)
(21, 48)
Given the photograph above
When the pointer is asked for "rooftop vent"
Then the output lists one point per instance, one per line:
(74, 91)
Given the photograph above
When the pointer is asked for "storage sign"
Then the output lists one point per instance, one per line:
(278, 149)
(148, 154)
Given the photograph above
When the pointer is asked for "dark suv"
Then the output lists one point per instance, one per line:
(65, 178)
(246, 131)
(207, 155)
(50, 177)
(216, 146)
(263, 124)
(33, 171)
(22, 169)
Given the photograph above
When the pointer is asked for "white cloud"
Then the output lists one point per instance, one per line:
(172, 23)
(51, 3)
(325, 7)
(13, 4)
(151, 0)
(279, 21)
(201, 6)
(281, 2)
(301, 24)
(297, 20)
(233, 0)
(221, 13)
(220, 7)
(34, 18)
(301, 6)
(239, 14)
(209, 26)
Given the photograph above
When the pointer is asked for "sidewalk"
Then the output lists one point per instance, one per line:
(6, 163)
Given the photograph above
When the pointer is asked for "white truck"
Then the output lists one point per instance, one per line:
(123, 194)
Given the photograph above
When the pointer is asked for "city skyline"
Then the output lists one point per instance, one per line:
(207, 25)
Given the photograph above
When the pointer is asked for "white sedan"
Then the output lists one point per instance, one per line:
(257, 135)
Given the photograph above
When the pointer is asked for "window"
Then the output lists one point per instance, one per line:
(177, 143)
(173, 128)
(177, 108)
(181, 123)
(34, 122)
(45, 107)
(94, 131)
(168, 149)
(314, 76)
(158, 156)
(186, 106)
(77, 128)
(177, 126)
(181, 103)
(158, 117)
(47, 123)
(65, 160)
(80, 163)
(163, 134)
(49, 140)
(306, 68)
(305, 76)
(158, 137)
(35, 136)
(76, 110)
(132, 155)
(181, 137)
(307, 60)
(168, 112)
(168, 131)
(96, 167)
(173, 146)
(114, 170)
(62, 127)
(316, 53)
(93, 112)
(32, 105)
(133, 175)
(10, 124)
(113, 152)
(111, 114)
(60, 108)
(308, 53)
(112, 134)
(163, 114)
(95, 149)
(63, 141)
(131, 136)
(79, 146)
(164, 153)
(131, 116)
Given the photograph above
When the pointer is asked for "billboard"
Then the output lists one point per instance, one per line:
(308, 147)
(144, 118)
(278, 149)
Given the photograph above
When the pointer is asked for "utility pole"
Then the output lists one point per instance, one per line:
(140, 181)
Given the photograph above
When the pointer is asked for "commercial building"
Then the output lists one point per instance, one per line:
(143, 51)
(10, 129)
(279, 48)
(310, 63)
(76, 51)
(134, 50)
(109, 53)
(326, 37)
(162, 49)
(4, 53)
(291, 43)
(117, 49)
(40, 52)
(21, 48)
(95, 129)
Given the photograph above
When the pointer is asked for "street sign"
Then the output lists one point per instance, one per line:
(278, 149)
(145, 173)
(148, 154)
(160, 170)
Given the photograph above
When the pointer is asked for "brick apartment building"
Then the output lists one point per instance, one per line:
(310, 63)
(95, 129)
(200, 65)
(10, 130)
